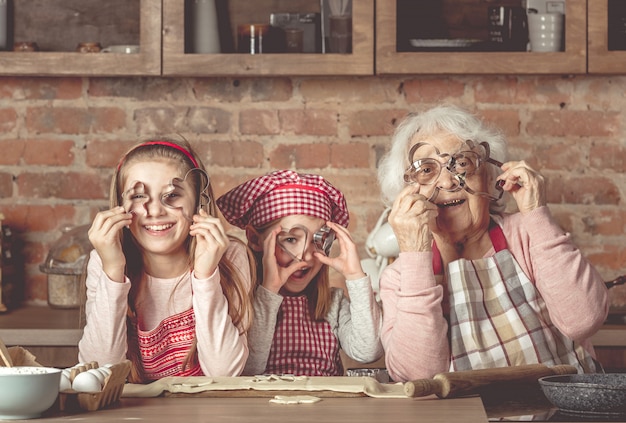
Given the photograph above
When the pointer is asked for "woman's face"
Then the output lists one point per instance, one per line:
(161, 211)
(459, 211)
(296, 239)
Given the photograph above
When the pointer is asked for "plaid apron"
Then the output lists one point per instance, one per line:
(302, 346)
(497, 317)
(164, 349)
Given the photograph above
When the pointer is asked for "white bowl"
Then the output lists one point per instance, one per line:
(26, 392)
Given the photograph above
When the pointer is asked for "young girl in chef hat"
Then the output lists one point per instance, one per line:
(300, 323)
(166, 287)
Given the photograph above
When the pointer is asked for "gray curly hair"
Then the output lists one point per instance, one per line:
(449, 118)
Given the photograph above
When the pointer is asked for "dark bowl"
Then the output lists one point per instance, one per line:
(587, 393)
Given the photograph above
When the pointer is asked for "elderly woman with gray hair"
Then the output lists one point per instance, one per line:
(474, 287)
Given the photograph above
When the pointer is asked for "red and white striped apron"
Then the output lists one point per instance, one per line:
(498, 318)
(302, 346)
(164, 349)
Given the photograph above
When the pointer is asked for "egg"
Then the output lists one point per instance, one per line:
(86, 382)
(98, 375)
(64, 382)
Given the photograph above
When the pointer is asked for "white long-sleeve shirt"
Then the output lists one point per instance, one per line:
(222, 349)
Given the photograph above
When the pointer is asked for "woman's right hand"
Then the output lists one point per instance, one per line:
(412, 219)
(274, 275)
(104, 236)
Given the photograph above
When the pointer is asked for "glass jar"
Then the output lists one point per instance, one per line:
(66, 266)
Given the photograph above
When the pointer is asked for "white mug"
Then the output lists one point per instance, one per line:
(122, 48)
(545, 31)
(383, 242)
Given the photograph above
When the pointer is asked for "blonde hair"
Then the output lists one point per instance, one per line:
(231, 279)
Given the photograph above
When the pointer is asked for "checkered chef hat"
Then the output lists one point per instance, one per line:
(282, 193)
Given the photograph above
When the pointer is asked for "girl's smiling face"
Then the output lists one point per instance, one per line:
(156, 227)
(299, 280)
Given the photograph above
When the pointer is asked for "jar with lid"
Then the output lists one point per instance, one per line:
(66, 266)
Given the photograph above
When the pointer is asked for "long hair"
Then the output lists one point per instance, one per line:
(231, 278)
(449, 118)
(318, 290)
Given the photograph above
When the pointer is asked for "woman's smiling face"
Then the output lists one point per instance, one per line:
(157, 228)
(459, 211)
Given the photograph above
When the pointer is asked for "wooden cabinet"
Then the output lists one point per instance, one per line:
(601, 60)
(159, 27)
(178, 63)
(570, 61)
(74, 21)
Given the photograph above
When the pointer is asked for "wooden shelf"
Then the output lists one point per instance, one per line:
(147, 62)
(178, 63)
(601, 59)
(571, 61)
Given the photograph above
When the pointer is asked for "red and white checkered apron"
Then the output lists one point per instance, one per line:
(499, 319)
(164, 349)
(302, 346)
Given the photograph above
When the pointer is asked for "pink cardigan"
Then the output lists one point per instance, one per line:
(414, 332)
(222, 350)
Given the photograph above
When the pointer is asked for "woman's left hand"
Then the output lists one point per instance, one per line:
(211, 243)
(348, 262)
(525, 184)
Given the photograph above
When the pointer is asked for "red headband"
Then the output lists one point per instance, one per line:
(167, 144)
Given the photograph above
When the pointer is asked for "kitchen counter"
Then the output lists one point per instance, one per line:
(431, 409)
(50, 334)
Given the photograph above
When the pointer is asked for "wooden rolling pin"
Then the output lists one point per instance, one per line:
(454, 384)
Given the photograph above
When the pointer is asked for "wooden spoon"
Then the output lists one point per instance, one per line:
(5, 355)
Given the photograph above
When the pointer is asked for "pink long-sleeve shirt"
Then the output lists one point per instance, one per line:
(222, 349)
(414, 332)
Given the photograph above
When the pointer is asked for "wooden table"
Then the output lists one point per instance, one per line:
(328, 410)
(359, 409)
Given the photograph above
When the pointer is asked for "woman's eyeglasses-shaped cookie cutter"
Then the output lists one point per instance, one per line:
(294, 240)
(175, 196)
(461, 165)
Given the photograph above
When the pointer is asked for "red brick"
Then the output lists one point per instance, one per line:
(8, 120)
(432, 90)
(140, 89)
(357, 91)
(259, 122)
(585, 189)
(308, 122)
(63, 185)
(573, 123)
(516, 90)
(270, 89)
(38, 218)
(74, 121)
(49, 152)
(506, 120)
(106, 153)
(351, 155)
(243, 154)
(374, 122)
(300, 156)
(201, 120)
(608, 155)
(40, 88)
(12, 151)
(6, 185)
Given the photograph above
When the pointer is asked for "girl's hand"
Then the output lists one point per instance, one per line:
(211, 243)
(525, 184)
(104, 235)
(274, 275)
(348, 262)
(412, 219)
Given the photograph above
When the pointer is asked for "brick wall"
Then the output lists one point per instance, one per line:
(61, 137)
